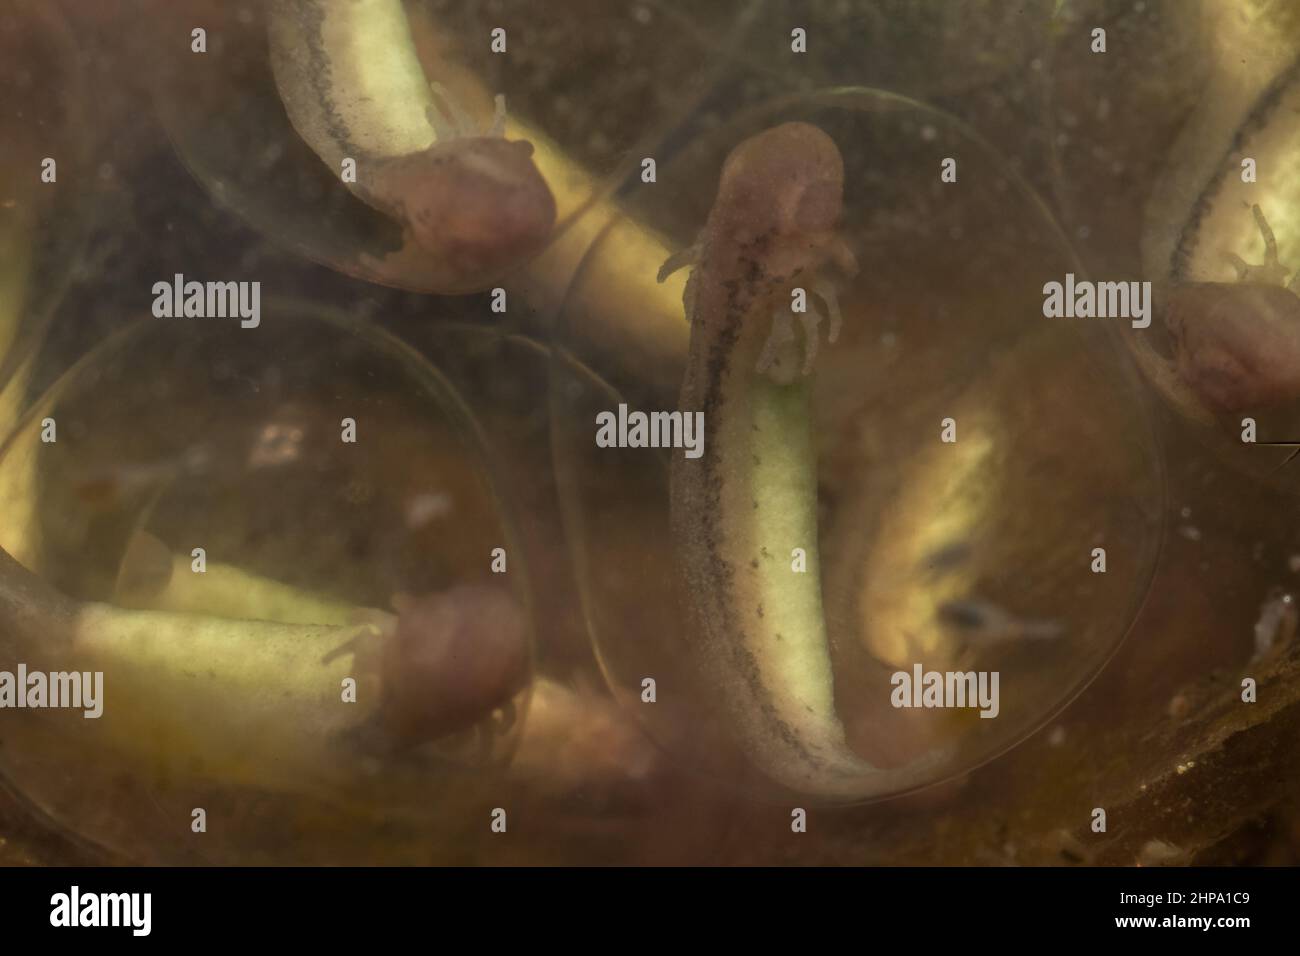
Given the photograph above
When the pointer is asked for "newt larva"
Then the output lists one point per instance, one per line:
(472, 206)
(738, 511)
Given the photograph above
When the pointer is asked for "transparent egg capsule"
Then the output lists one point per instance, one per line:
(926, 516)
(980, 43)
(269, 555)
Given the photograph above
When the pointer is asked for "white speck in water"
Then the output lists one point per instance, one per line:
(1293, 563)
(1190, 532)
(276, 444)
(1276, 625)
(1158, 853)
(423, 508)
(1186, 512)
(1056, 736)
(928, 133)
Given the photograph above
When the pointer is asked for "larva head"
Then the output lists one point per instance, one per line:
(786, 182)
(477, 206)
(452, 658)
(1236, 344)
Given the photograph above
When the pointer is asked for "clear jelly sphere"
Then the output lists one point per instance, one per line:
(204, 474)
(981, 43)
(976, 555)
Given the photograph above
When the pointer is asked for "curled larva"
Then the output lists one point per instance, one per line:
(1221, 229)
(1237, 345)
(472, 205)
(739, 510)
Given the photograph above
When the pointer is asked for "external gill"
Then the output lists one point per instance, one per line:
(781, 340)
(450, 121)
(683, 259)
(1271, 271)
